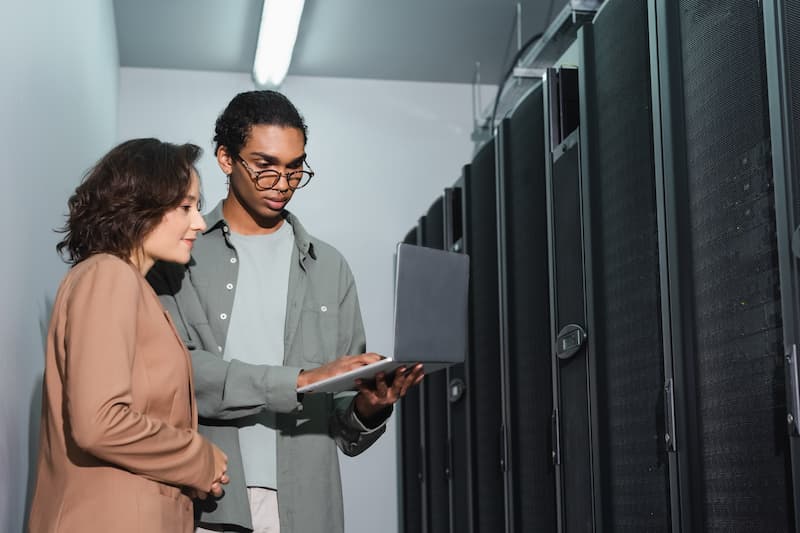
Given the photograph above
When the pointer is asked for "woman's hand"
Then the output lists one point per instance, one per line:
(220, 475)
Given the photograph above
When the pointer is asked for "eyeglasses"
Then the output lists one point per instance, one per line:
(269, 178)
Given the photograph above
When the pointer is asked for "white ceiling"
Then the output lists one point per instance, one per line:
(412, 40)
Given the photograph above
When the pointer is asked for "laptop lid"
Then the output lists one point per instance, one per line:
(430, 305)
(430, 316)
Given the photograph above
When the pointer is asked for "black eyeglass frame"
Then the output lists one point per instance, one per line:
(256, 176)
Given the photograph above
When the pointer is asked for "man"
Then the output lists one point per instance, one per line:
(265, 308)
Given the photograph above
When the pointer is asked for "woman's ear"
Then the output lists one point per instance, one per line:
(225, 160)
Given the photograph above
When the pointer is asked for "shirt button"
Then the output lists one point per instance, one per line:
(225, 229)
(219, 348)
(223, 316)
(233, 259)
(229, 286)
(323, 308)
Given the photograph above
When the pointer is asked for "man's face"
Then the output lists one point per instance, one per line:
(268, 147)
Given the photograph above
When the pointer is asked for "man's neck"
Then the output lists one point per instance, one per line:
(244, 222)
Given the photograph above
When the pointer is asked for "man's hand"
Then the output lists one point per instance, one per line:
(334, 368)
(373, 398)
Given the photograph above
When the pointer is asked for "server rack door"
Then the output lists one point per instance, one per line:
(410, 450)
(781, 26)
(525, 318)
(623, 293)
(457, 470)
(570, 352)
(721, 268)
(424, 431)
(483, 360)
(459, 467)
(434, 406)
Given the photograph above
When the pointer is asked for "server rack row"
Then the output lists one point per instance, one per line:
(634, 234)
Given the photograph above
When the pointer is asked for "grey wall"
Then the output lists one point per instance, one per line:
(382, 152)
(58, 106)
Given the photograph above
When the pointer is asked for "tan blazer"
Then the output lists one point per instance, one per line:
(118, 432)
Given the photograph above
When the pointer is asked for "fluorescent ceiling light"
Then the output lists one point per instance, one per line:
(276, 36)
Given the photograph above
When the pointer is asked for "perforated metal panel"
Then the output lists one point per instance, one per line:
(410, 466)
(527, 316)
(434, 407)
(458, 410)
(627, 308)
(791, 32)
(735, 299)
(484, 357)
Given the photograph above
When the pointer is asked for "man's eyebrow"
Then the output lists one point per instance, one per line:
(297, 161)
(271, 159)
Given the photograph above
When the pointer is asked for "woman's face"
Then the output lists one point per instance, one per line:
(172, 239)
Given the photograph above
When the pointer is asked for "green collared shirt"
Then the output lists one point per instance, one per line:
(323, 322)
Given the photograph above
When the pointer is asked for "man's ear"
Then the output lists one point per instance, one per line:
(225, 160)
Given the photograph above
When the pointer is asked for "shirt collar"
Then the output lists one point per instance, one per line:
(304, 242)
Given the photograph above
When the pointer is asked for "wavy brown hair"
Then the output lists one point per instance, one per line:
(124, 196)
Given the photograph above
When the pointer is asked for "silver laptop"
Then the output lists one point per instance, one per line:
(430, 316)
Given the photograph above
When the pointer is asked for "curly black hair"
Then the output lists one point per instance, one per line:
(253, 108)
(124, 196)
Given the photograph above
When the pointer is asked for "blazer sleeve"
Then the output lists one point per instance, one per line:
(99, 346)
(225, 390)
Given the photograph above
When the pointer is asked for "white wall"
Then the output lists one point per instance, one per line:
(382, 152)
(58, 100)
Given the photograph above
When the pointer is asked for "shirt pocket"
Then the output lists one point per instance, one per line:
(319, 332)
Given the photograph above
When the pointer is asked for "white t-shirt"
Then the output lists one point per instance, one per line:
(256, 334)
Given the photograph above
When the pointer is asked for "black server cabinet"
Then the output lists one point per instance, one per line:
(410, 449)
(782, 48)
(720, 268)
(482, 367)
(459, 467)
(625, 342)
(525, 318)
(433, 409)
(573, 399)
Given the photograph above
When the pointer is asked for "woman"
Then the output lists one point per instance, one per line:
(118, 448)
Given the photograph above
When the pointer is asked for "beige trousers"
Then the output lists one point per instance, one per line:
(264, 510)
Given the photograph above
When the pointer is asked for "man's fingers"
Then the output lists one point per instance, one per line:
(363, 359)
(380, 385)
(400, 383)
(407, 382)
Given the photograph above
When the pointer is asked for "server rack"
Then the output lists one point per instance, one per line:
(411, 448)
(721, 297)
(460, 468)
(782, 52)
(572, 362)
(483, 361)
(433, 408)
(625, 343)
(529, 475)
